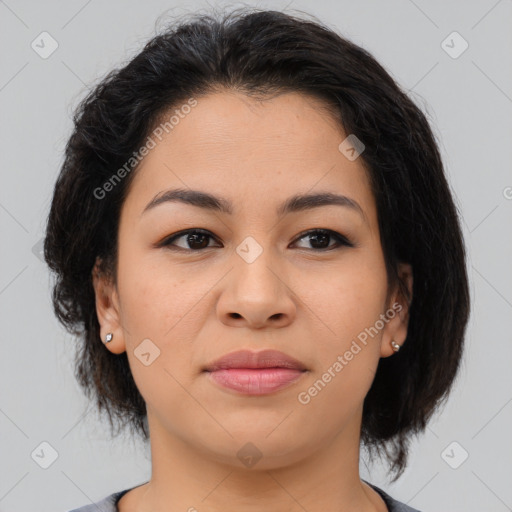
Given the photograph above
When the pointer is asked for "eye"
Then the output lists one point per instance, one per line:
(197, 239)
(320, 238)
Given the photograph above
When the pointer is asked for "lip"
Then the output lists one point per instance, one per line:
(256, 381)
(253, 360)
(256, 373)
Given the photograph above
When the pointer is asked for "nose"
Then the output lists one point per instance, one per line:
(256, 295)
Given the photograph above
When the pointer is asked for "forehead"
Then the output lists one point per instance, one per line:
(233, 122)
(250, 151)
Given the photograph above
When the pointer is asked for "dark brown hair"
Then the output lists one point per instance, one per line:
(262, 53)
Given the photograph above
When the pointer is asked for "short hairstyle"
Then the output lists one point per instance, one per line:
(263, 53)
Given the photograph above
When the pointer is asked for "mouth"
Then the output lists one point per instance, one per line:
(256, 373)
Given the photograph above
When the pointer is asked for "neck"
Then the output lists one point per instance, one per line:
(190, 478)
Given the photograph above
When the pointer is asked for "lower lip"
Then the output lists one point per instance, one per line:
(256, 381)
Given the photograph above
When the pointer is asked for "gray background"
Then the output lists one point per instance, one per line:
(469, 102)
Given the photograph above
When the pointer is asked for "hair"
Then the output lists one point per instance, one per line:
(261, 53)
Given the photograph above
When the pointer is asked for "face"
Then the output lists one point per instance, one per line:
(257, 276)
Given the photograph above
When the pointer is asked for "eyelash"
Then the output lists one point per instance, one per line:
(341, 240)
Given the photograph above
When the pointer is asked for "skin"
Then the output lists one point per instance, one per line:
(198, 305)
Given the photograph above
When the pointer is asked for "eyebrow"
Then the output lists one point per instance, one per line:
(296, 203)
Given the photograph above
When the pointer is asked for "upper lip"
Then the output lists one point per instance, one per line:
(249, 359)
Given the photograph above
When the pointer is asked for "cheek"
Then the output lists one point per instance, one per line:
(161, 322)
(157, 300)
(349, 305)
(348, 349)
(349, 299)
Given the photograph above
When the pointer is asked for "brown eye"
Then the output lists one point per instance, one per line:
(194, 240)
(319, 238)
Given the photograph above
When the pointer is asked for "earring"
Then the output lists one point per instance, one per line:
(395, 345)
(108, 337)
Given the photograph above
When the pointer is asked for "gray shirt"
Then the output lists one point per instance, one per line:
(109, 504)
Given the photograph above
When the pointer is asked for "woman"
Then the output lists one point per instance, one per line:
(254, 237)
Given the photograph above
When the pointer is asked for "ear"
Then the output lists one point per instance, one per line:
(398, 312)
(108, 310)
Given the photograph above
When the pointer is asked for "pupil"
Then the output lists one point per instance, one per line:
(193, 238)
(323, 236)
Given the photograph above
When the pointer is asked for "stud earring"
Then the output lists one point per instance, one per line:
(108, 337)
(395, 345)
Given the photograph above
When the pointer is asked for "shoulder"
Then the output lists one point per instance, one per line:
(107, 504)
(392, 504)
